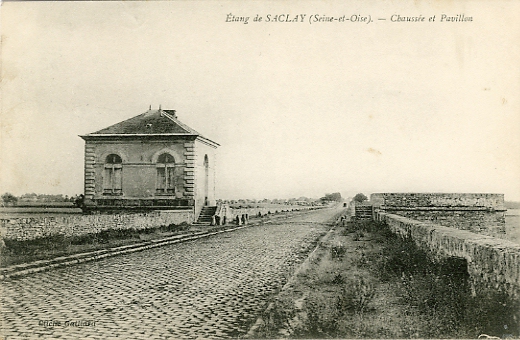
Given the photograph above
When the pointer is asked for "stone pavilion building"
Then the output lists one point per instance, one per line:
(149, 162)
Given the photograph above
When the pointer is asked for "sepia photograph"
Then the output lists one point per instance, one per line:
(260, 169)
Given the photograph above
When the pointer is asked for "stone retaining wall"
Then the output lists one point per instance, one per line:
(492, 201)
(492, 262)
(480, 213)
(28, 228)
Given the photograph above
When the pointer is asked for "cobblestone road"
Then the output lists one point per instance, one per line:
(209, 288)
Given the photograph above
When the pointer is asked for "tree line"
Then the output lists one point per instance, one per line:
(8, 199)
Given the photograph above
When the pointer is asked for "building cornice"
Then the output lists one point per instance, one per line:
(136, 136)
(207, 141)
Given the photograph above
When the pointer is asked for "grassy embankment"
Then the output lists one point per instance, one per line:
(364, 282)
(16, 252)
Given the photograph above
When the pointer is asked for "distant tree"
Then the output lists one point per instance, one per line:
(29, 196)
(9, 199)
(334, 197)
(360, 198)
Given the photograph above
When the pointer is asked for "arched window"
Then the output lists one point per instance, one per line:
(112, 179)
(165, 174)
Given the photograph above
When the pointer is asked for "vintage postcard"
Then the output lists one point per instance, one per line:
(263, 169)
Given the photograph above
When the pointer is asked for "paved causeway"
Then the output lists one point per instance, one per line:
(208, 288)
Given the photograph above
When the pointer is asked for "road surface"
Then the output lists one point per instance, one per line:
(213, 287)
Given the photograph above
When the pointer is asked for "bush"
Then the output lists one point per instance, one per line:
(174, 227)
(321, 318)
(338, 279)
(361, 227)
(84, 239)
(355, 296)
(358, 235)
(401, 256)
(30, 247)
(279, 316)
(338, 251)
(9, 199)
(363, 260)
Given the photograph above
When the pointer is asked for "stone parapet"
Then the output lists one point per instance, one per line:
(492, 262)
(230, 213)
(449, 200)
(479, 213)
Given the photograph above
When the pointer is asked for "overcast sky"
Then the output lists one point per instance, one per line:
(300, 109)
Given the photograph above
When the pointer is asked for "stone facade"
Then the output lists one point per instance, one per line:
(480, 213)
(151, 161)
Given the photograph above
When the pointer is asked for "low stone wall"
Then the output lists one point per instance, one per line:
(480, 213)
(492, 262)
(29, 228)
(232, 212)
(253, 212)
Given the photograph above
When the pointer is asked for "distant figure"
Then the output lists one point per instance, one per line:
(79, 201)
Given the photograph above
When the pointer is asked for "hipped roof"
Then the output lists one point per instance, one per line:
(151, 123)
